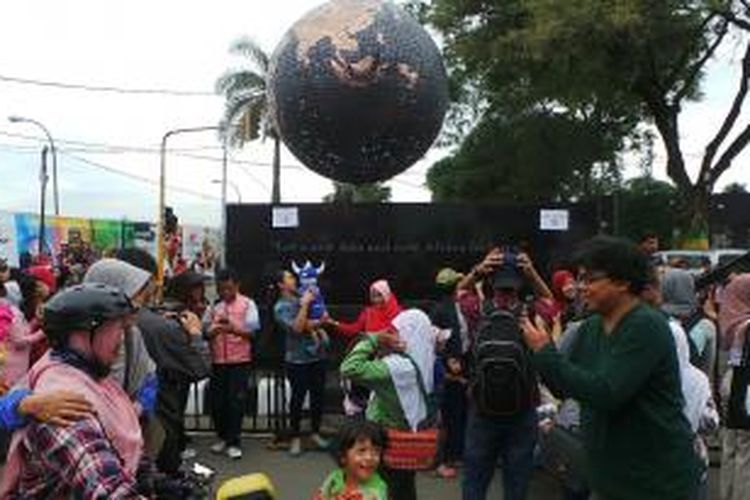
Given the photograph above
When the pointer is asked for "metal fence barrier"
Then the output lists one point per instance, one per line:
(266, 410)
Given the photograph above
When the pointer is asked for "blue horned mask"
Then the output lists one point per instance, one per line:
(307, 276)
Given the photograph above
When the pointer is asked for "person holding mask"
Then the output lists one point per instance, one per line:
(231, 326)
(305, 358)
(98, 456)
(624, 372)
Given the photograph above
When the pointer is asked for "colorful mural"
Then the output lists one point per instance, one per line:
(82, 240)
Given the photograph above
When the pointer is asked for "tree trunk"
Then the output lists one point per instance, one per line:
(692, 209)
(694, 218)
(276, 190)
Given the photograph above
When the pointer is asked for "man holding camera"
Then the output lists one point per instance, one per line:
(504, 393)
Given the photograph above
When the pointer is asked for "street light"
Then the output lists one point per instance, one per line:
(231, 185)
(43, 178)
(161, 251)
(56, 192)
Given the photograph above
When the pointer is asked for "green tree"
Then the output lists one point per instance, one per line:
(629, 59)
(535, 156)
(735, 188)
(246, 108)
(646, 204)
(365, 193)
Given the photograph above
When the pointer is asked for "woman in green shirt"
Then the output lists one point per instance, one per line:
(398, 401)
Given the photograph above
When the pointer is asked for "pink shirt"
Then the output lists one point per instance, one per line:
(18, 344)
(242, 314)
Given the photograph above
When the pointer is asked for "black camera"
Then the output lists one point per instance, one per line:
(507, 275)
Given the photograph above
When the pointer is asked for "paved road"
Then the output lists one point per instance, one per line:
(297, 478)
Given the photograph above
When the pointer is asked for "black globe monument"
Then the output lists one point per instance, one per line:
(358, 90)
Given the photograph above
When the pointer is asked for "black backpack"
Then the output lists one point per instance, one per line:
(504, 380)
(688, 324)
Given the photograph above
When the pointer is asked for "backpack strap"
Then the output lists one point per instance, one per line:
(429, 404)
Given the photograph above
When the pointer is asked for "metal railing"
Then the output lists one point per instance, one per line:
(266, 408)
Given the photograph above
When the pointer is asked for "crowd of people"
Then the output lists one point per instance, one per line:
(613, 375)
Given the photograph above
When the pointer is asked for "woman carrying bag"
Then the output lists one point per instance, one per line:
(398, 368)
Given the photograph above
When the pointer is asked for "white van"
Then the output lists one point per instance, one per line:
(698, 261)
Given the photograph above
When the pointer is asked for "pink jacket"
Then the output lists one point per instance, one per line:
(18, 348)
(242, 314)
(7, 318)
(114, 410)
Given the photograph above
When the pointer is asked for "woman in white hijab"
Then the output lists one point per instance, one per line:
(398, 401)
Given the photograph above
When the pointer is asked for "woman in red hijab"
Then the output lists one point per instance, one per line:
(376, 317)
(565, 293)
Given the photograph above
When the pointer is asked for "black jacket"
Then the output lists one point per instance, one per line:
(445, 316)
(171, 348)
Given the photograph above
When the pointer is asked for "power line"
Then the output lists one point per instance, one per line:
(246, 170)
(104, 145)
(31, 149)
(106, 88)
(139, 178)
(104, 148)
(107, 149)
(69, 153)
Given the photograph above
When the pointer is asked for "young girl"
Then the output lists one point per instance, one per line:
(360, 447)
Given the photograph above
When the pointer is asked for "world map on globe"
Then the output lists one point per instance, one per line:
(358, 90)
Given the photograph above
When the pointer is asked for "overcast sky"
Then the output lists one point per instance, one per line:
(182, 46)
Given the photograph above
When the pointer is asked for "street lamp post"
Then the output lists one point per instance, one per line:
(224, 183)
(224, 177)
(56, 192)
(160, 248)
(43, 202)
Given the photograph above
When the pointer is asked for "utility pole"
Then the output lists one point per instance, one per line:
(224, 148)
(160, 248)
(53, 149)
(43, 205)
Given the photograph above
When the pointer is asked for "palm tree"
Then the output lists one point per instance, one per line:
(246, 108)
(365, 193)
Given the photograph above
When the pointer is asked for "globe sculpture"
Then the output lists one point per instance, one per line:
(357, 90)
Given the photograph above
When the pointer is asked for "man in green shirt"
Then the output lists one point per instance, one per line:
(623, 370)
